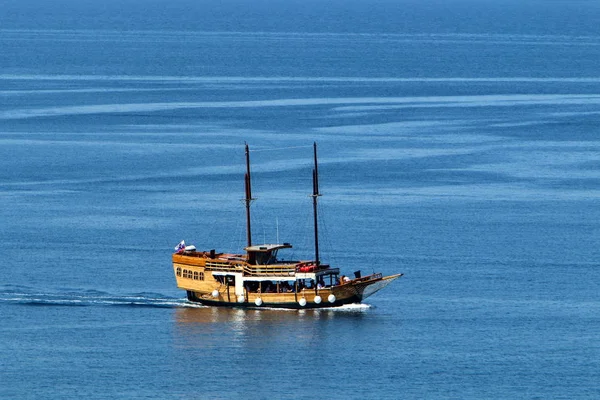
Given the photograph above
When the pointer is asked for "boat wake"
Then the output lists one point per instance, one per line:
(28, 296)
(355, 307)
(352, 307)
(89, 298)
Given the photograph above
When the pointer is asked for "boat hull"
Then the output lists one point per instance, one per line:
(349, 293)
(193, 297)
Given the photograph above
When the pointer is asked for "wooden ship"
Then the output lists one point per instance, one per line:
(259, 278)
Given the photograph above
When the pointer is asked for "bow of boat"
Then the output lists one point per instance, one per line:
(371, 284)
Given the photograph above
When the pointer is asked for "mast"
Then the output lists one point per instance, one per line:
(248, 196)
(315, 195)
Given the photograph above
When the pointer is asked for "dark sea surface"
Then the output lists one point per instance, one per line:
(459, 144)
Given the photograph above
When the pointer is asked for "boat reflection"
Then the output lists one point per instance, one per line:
(186, 316)
(201, 327)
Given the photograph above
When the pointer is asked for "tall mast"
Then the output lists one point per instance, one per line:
(248, 196)
(315, 195)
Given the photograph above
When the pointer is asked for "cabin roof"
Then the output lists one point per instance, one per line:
(264, 248)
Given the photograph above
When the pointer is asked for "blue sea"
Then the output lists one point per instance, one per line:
(459, 144)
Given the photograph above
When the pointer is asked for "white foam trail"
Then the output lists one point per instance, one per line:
(352, 307)
(155, 36)
(288, 79)
(88, 90)
(345, 104)
(476, 192)
(86, 299)
(90, 300)
(355, 307)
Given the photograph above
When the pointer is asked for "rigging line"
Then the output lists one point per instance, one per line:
(258, 218)
(326, 237)
(240, 231)
(308, 237)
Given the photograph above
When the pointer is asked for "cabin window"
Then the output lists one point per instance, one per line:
(200, 276)
(268, 257)
(195, 275)
(178, 271)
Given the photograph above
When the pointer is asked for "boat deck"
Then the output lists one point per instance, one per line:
(236, 263)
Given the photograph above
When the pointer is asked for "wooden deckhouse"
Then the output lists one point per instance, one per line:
(260, 278)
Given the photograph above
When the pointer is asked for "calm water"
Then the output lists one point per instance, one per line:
(459, 144)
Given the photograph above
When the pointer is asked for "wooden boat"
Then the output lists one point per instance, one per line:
(259, 278)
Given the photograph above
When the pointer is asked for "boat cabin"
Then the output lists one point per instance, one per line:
(265, 254)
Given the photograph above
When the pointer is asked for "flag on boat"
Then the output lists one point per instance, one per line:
(180, 247)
